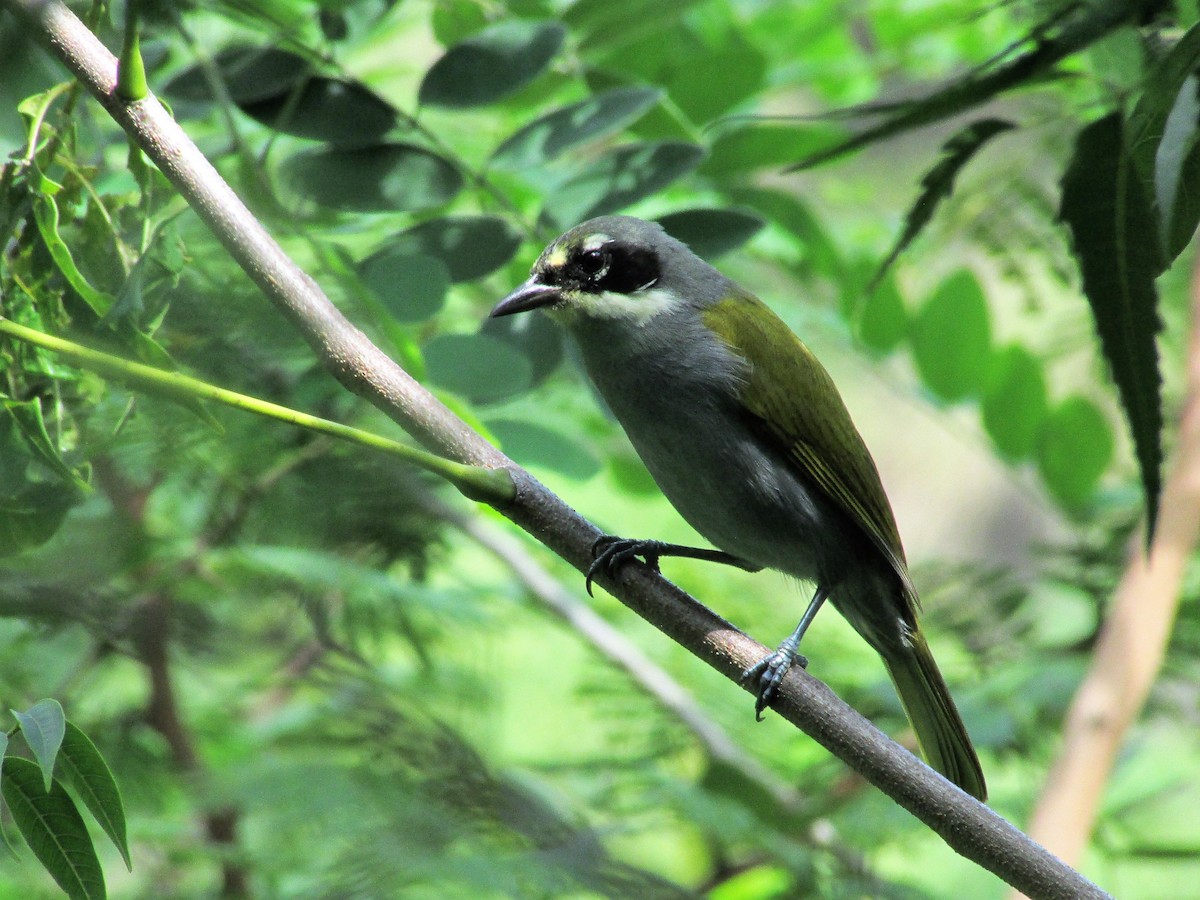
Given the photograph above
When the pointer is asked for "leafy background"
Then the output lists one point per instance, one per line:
(310, 671)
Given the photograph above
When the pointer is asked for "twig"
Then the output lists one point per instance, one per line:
(966, 825)
(1130, 650)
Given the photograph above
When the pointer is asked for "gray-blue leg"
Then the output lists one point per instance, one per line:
(768, 672)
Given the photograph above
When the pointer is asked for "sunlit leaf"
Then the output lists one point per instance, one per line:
(84, 769)
(883, 319)
(711, 232)
(545, 138)
(951, 338)
(42, 726)
(1075, 448)
(1114, 238)
(382, 178)
(337, 111)
(1014, 405)
(492, 64)
(53, 829)
(619, 178)
(602, 24)
(45, 213)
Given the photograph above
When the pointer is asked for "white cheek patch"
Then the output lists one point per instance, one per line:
(639, 307)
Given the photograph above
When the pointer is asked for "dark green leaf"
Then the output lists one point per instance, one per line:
(481, 368)
(820, 255)
(1074, 449)
(1015, 403)
(469, 246)
(602, 24)
(491, 64)
(535, 336)
(545, 138)
(84, 769)
(1148, 121)
(1114, 238)
(42, 726)
(952, 338)
(454, 20)
(1177, 172)
(30, 516)
(530, 444)
(250, 74)
(730, 73)
(711, 232)
(753, 147)
(45, 213)
(411, 286)
(339, 112)
(53, 829)
(938, 182)
(383, 178)
(883, 319)
(619, 178)
(28, 417)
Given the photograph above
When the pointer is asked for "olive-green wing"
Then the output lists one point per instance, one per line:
(789, 390)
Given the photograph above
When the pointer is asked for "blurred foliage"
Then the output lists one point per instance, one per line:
(310, 683)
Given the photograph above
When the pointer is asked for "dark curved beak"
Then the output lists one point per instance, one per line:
(531, 295)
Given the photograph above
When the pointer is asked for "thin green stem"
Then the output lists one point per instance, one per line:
(493, 486)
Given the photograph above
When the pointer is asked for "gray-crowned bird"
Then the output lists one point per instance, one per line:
(747, 436)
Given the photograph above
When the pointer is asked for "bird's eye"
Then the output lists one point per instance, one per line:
(593, 263)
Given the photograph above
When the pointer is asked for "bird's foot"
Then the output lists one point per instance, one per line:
(767, 674)
(610, 552)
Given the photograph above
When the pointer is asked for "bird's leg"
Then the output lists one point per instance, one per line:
(768, 672)
(610, 552)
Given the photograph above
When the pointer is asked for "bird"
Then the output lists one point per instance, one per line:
(747, 436)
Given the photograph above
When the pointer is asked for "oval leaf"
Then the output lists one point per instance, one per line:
(951, 339)
(491, 64)
(469, 246)
(479, 367)
(85, 770)
(539, 339)
(711, 232)
(596, 117)
(1014, 406)
(250, 74)
(530, 444)
(1074, 449)
(43, 726)
(411, 286)
(339, 112)
(752, 147)
(53, 829)
(383, 178)
(883, 320)
(619, 178)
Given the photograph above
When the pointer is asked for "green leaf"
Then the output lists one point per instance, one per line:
(33, 514)
(53, 829)
(250, 75)
(938, 182)
(1060, 615)
(603, 24)
(83, 768)
(1148, 121)
(469, 246)
(951, 338)
(411, 287)
(1114, 239)
(491, 64)
(619, 178)
(42, 726)
(711, 232)
(819, 254)
(45, 212)
(382, 178)
(1075, 448)
(340, 112)
(454, 20)
(751, 147)
(481, 368)
(883, 319)
(603, 114)
(1015, 404)
(1177, 172)
(28, 417)
(539, 339)
(531, 444)
(731, 72)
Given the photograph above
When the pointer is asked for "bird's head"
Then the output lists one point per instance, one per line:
(613, 267)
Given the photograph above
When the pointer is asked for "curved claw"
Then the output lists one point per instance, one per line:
(610, 552)
(768, 674)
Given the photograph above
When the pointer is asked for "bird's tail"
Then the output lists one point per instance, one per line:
(935, 719)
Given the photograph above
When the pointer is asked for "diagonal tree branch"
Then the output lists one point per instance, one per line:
(966, 825)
